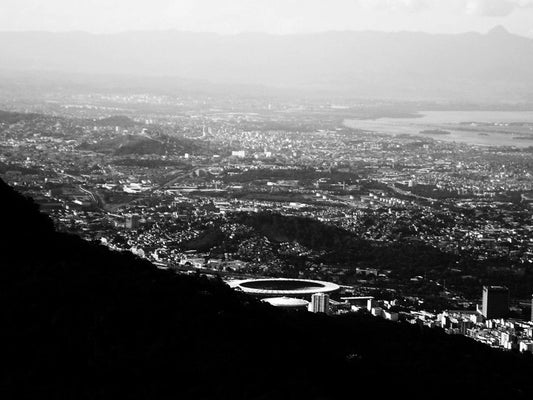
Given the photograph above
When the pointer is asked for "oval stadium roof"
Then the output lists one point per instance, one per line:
(279, 287)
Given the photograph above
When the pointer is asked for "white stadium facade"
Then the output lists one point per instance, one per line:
(281, 287)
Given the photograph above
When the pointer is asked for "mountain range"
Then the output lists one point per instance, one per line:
(495, 67)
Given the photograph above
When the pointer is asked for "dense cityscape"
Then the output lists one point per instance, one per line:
(409, 227)
(266, 200)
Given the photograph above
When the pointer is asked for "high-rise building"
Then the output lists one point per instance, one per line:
(319, 303)
(495, 302)
(132, 221)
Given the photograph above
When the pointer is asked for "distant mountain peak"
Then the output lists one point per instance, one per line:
(499, 30)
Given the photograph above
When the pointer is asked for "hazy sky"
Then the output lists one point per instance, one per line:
(273, 16)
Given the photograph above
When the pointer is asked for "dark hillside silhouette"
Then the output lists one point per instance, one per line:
(82, 322)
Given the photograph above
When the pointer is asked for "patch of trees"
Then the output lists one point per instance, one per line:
(432, 191)
(342, 247)
(9, 117)
(147, 163)
(116, 120)
(141, 145)
(23, 170)
(208, 239)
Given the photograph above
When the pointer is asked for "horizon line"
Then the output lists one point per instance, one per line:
(498, 27)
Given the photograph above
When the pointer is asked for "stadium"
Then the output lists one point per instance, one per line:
(287, 303)
(281, 287)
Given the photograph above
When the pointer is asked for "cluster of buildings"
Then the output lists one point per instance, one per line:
(319, 303)
(470, 201)
(489, 323)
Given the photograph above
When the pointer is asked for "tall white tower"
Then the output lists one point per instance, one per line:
(319, 303)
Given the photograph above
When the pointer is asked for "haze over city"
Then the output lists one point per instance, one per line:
(266, 199)
(272, 16)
